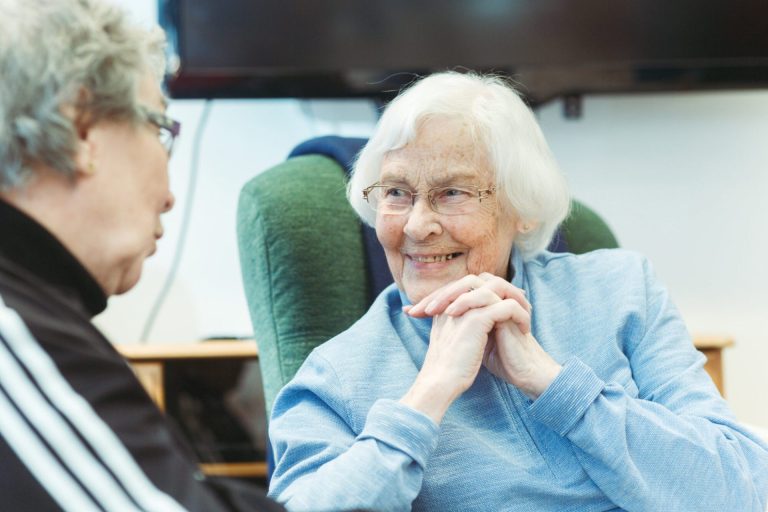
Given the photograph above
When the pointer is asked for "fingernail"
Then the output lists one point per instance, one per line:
(431, 307)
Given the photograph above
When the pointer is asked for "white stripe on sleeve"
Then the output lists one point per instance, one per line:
(41, 463)
(59, 436)
(89, 424)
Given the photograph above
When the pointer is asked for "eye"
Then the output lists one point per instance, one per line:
(452, 195)
(395, 193)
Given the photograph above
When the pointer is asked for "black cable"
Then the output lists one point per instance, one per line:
(191, 186)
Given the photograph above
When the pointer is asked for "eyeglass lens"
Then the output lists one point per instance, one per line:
(446, 200)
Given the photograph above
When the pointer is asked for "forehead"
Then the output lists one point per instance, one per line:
(443, 150)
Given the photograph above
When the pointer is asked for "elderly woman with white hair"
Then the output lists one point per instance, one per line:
(494, 375)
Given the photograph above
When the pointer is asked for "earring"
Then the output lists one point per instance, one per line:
(526, 228)
(90, 168)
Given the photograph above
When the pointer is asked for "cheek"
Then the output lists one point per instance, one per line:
(157, 189)
(390, 235)
(482, 256)
(389, 232)
(490, 248)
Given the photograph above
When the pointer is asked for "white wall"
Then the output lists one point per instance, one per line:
(679, 177)
(683, 178)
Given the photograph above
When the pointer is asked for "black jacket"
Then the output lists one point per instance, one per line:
(116, 449)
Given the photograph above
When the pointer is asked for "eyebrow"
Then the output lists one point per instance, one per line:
(462, 177)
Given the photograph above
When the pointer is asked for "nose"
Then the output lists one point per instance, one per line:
(423, 221)
(170, 200)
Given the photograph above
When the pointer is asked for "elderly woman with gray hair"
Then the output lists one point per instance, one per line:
(84, 148)
(494, 375)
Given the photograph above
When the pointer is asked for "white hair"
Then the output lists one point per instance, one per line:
(63, 58)
(528, 179)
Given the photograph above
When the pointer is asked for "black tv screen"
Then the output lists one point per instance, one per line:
(370, 48)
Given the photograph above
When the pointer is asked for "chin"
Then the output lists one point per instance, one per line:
(128, 282)
(416, 292)
(416, 287)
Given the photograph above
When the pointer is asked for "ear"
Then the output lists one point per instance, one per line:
(84, 165)
(81, 119)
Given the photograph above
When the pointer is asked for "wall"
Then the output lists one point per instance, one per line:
(679, 177)
(682, 178)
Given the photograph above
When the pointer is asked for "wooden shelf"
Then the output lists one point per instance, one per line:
(236, 469)
(709, 342)
(210, 349)
(712, 347)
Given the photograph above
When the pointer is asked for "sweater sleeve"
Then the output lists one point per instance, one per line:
(323, 464)
(676, 446)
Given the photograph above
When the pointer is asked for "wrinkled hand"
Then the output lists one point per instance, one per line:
(457, 348)
(458, 343)
(519, 359)
(510, 352)
(471, 291)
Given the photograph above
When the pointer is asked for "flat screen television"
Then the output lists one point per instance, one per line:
(371, 48)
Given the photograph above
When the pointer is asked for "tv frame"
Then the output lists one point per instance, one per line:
(539, 82)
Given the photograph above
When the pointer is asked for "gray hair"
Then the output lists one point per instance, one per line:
(528, 179)
(65, 58)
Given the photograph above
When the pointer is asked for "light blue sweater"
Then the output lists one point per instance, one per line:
(632, 422)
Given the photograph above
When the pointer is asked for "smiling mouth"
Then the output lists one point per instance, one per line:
(435, 258)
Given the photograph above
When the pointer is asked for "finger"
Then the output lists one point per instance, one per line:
(505, 290)
(450, 291)
(504, 311)
(473, 299)
(490, 345)
(492, 290)
(518, 315)
(436, 302)
(416, 310)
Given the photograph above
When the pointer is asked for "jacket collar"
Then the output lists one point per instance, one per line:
(28, 244)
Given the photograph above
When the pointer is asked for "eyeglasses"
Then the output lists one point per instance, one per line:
(453, 200)
(169, 128)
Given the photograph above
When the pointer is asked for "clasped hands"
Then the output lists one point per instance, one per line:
(477, 320)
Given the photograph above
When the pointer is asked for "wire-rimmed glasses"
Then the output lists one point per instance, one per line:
(450, 200)
(169, 128)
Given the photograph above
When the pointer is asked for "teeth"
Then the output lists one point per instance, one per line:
(433, 259)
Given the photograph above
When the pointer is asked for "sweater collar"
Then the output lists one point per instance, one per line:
(28, 244)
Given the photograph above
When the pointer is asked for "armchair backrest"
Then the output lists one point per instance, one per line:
(302, 260)
(305, 262)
